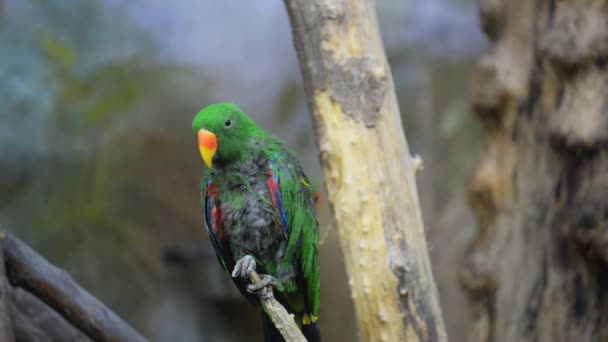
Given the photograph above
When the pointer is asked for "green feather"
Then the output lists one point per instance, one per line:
(240, 164)
(303, 238)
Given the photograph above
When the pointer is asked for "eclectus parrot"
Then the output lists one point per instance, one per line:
(260, 214)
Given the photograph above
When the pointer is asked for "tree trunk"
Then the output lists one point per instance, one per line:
(537, 268)
(369, 173)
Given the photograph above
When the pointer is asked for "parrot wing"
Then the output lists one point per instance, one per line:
(214, 221)
(294, 203)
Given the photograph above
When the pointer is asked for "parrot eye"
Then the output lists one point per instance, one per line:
(228, 123)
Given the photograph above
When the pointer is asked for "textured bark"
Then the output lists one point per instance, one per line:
(537, 268)
(28, 270)
(369, 173)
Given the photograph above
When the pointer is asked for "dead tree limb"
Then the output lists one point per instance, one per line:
(33, 320)
(279, 316)
(30, 271)
(369, 173)
(6, 330)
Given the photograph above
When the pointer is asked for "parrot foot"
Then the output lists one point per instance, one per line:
(267, 280)
(244, 267)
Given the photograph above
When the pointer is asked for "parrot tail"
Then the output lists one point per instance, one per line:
(271, 334)
(311, 332)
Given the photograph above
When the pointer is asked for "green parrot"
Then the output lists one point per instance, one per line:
(260, 214)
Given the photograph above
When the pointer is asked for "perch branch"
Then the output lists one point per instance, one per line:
(30, 271)
(279, 316)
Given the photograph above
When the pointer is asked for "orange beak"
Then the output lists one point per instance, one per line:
(207, 145)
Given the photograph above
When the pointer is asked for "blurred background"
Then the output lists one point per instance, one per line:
(99, 169)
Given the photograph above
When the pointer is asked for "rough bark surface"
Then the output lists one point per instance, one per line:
(28, 270)
(369, 173)
(537, 268)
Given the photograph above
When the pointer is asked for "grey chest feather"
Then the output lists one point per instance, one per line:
(252, 228)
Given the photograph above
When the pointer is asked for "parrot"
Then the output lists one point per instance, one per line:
(259, 210)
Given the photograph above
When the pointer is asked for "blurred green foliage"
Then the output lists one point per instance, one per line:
(79, 112)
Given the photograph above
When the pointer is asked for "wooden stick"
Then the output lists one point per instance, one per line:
(27, 269)
(279, 316)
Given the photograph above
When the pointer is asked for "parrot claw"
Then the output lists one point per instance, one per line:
(267, 280)
(244, 267)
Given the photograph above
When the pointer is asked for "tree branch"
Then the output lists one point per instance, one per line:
(281, 319)
(6, 330)
(30, 271)
(369, 172)
(33, 320)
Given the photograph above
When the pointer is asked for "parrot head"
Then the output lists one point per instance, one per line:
(223, 132)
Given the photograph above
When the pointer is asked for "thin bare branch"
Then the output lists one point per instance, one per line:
(281, 319)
